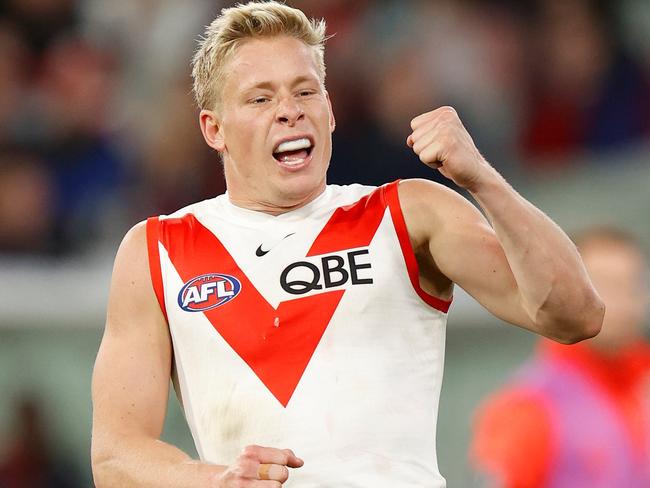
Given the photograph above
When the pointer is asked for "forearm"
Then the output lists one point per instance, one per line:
(148, 463)
(554, 288)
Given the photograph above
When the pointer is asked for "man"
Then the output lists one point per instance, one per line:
(293, 314)
(579, 416)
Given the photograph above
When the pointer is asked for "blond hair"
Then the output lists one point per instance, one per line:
(252, 20)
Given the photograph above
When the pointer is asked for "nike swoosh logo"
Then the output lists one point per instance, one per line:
(259, 252)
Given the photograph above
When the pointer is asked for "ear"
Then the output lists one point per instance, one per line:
(212, 129)
(332, 119)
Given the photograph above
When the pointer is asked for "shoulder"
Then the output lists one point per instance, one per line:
(134, 242)
(136, 253)
(421, 194)
(132, 259)
(132, 295)
(428, 206)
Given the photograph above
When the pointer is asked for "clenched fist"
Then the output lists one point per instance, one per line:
(258, 467)
(442, 142)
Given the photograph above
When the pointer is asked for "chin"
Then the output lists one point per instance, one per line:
(298, 187)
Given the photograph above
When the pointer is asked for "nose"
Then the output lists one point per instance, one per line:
(289, 112)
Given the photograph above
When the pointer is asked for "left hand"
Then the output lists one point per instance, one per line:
(442, 142)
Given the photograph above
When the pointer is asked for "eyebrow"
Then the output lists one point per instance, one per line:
(267, 85)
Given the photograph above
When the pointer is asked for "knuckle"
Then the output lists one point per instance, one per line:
(246, 465)
(284, 474)
(250, 451)
(420, 119)
(449, 110)
(449, 117)
(416, 124)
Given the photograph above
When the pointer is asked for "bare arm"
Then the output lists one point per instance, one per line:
(130, 392)
(522, 268)
(131, 385)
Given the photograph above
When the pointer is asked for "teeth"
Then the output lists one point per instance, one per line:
(294, 145)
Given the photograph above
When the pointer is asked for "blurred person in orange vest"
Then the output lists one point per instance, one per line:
(579, 415)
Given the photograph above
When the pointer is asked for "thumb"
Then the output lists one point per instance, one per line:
(410, 141)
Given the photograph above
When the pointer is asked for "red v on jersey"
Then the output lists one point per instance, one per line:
(277, 344)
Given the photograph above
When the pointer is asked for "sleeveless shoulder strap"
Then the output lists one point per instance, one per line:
(153, 233)
(390, 194)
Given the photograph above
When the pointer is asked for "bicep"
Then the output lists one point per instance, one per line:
(467, 251)
(131, 375)
(462, 245)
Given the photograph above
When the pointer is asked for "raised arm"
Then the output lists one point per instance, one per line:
(522, 267)
(130, 393)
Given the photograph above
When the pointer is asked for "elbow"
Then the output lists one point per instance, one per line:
(578, 334)
(591, 319)
(579, 325)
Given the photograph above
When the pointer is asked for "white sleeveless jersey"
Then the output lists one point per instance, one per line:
(307, 330)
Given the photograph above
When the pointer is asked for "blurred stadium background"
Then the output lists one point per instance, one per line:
(98, 131)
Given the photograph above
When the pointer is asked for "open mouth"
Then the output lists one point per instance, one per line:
(293, 152)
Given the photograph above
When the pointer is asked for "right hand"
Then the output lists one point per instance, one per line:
(246, 472)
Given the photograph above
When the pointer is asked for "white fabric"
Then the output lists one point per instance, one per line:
(364, 412)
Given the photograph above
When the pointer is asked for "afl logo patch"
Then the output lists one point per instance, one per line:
(208, 291)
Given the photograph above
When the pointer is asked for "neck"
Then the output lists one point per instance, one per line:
(274, 207)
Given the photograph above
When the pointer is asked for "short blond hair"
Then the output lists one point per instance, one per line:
(252, 20)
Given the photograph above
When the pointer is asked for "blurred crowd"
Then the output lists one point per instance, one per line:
(30, 457)
(98, 129)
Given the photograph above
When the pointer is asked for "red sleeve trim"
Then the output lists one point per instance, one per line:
(392, 198)
(153, 224)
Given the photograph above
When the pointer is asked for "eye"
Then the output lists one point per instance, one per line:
(305, 93)
(259, 100)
